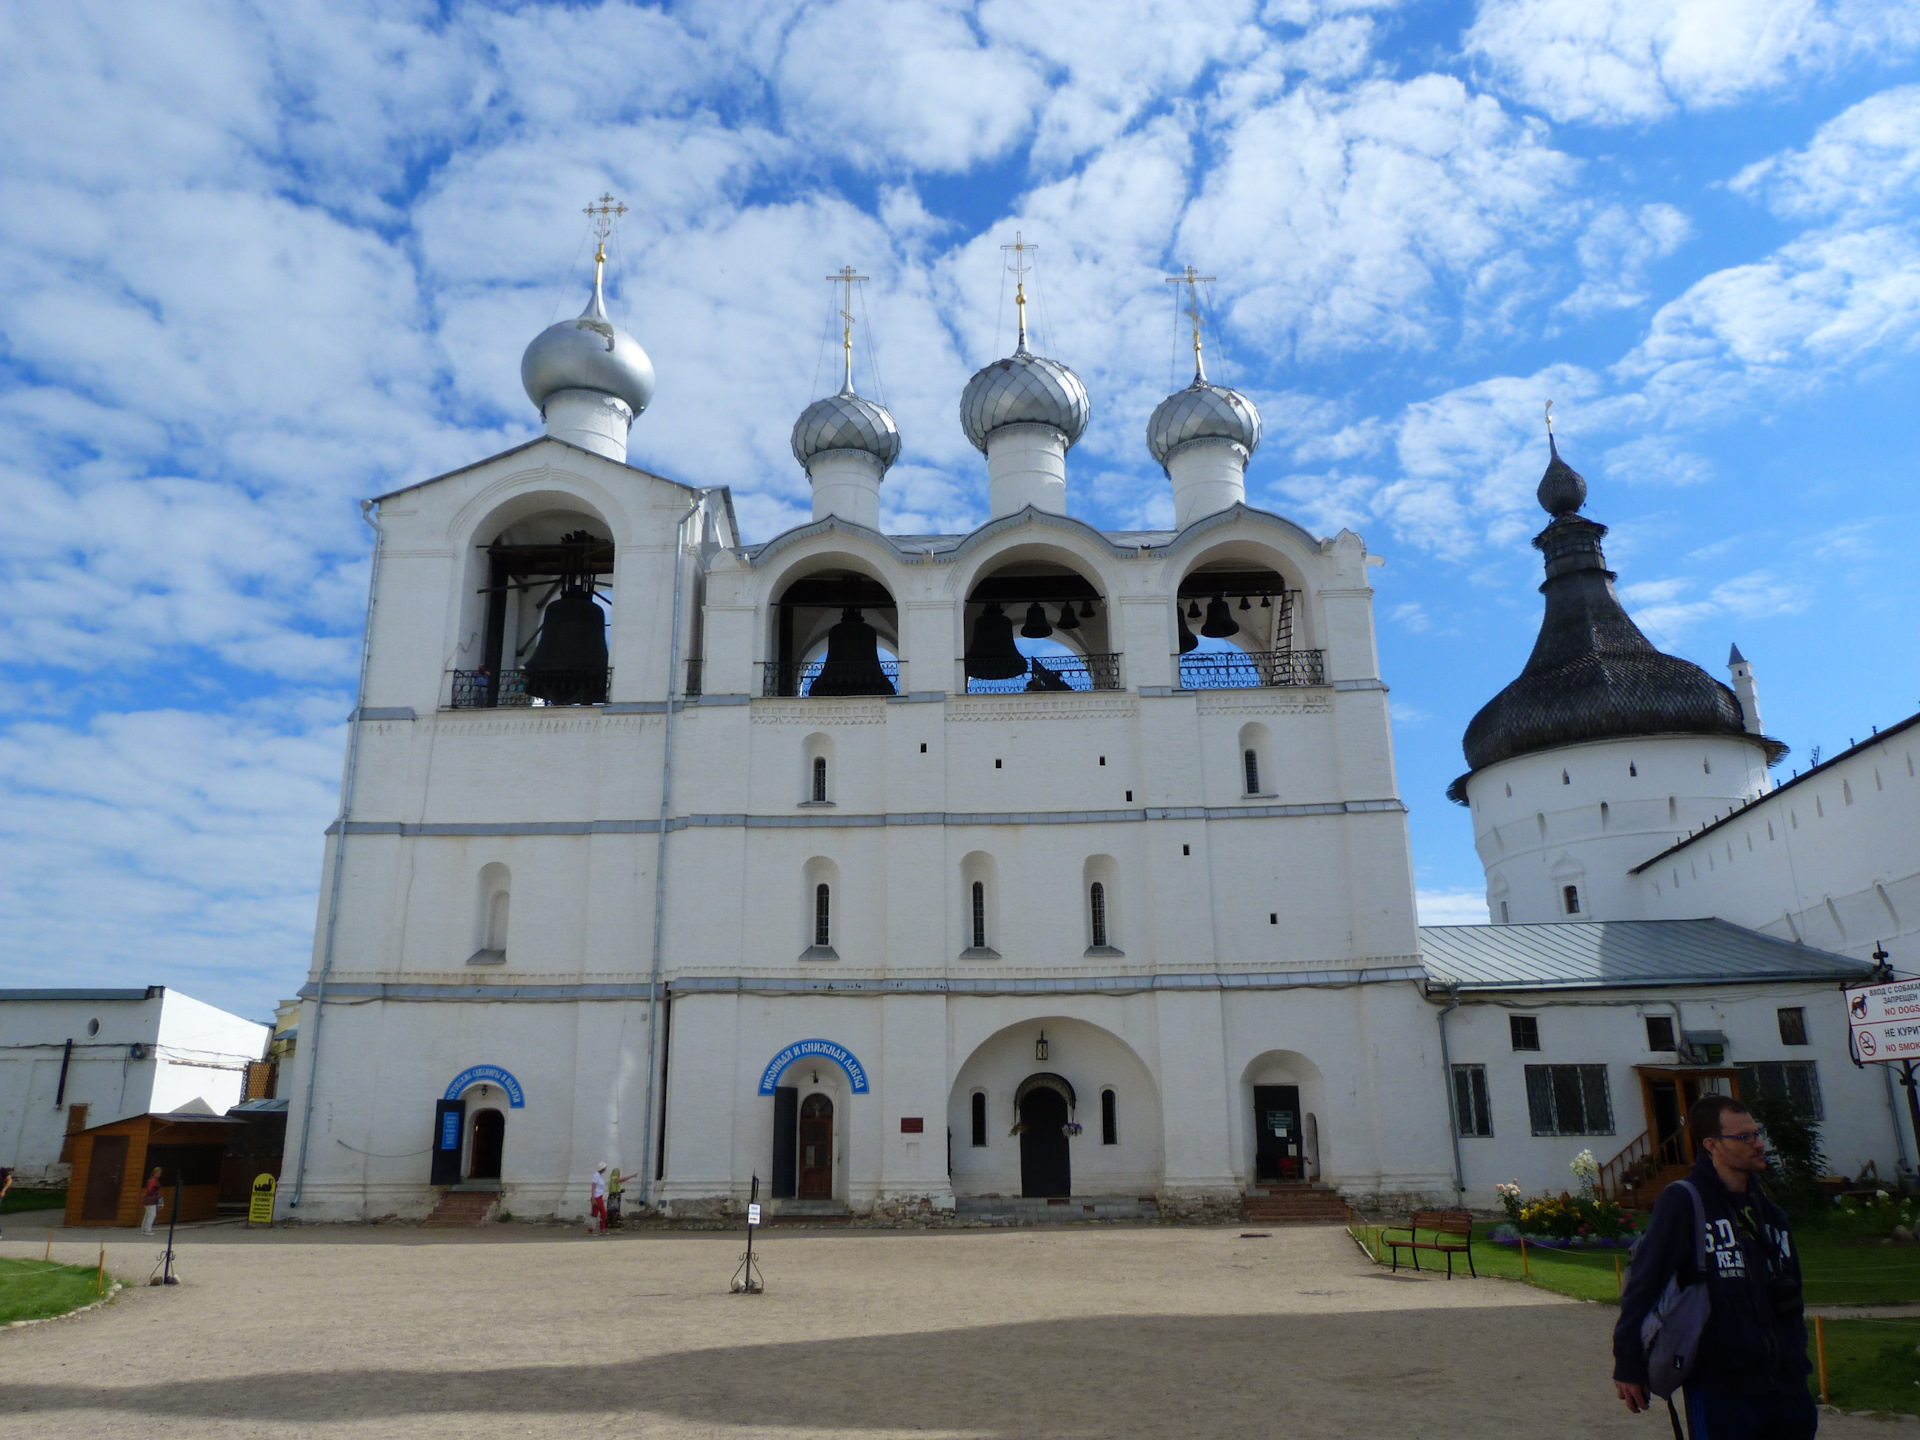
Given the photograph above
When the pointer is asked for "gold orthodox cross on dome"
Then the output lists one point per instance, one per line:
(1193, 282)
(847, 278)
(1020, 248)
(603, 212)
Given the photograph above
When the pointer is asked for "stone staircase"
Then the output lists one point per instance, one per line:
(1295, 1203)
(463, 1209)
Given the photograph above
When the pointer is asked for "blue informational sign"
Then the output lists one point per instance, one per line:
(450, 1130)
(827, 1050)
(488, 1075)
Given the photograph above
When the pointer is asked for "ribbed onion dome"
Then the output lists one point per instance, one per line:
(1592, 674)
(1202, 411)
(1024, 388)
(588, 353)
(846, 422)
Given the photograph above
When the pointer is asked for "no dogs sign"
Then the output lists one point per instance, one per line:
(1884, 1021)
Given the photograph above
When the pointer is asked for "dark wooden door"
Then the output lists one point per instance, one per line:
(1278, 1153)
(816, 1148)
(105, 1175)
(1046, 1166)
(489, 1130)
(449, 1120)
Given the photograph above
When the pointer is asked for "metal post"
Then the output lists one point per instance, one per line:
(167, 1277)
(1913, 1097)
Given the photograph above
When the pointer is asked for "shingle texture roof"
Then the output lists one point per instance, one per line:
(1202, 411)
(1601, 953)
(1592, 674)
(1024, 389)
(846, 422)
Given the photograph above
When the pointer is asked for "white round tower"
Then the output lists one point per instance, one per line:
(1604, 751)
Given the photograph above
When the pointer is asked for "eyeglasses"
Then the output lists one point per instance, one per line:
(1755, 1136)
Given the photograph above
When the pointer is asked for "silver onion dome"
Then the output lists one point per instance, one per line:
(1202, 411)
(1024, 388)
(588, 353)
(846, 422)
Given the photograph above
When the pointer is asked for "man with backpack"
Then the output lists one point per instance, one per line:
(1713, 1296)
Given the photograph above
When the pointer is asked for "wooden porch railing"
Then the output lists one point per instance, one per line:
(1625, 1179)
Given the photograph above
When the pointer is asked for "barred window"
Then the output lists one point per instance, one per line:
(1252, 761)
(819, 779)
(822, 916)
(1791, 1082)
(1472, 1113)
(1569, 1100)
(1525, 1030)
(979, 915)
(1660, 1032)
(1793, 1026)
(1097, 907)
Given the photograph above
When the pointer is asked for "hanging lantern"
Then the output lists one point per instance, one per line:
(1036, 627)
(1220, 622)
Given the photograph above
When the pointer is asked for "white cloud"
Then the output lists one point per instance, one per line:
(1413, 615)
(1615, 250)
(1451, 907)
(1660, 610)
(1620, 61)
(1860, 162)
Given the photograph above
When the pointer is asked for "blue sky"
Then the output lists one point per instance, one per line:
(257, 262)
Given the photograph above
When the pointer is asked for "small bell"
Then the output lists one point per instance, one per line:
(1068, 620)
(1086, 609)
(1036, 627)
(1187, 641)
(1220, 622)
(1266, 602)
(1193, 610)
(993, 655)
(1245, 604)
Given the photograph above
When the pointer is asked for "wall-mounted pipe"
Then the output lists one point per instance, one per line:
(1446, 1069)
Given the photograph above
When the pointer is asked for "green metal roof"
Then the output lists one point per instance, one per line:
(1598, 954)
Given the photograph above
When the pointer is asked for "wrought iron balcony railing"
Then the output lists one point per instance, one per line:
(1252, 669)
(798, 679)
(1055, 673)
(483, 690)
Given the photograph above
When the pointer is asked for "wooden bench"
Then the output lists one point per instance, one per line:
(1450, 1232)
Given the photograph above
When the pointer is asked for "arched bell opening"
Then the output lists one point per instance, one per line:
(1238, 625)
(1033, 624)
(548, 596)
(836, 632)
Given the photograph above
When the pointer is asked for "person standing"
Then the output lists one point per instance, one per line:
(616, 1188)
(1749, 1380)
(597, 1203)
(6, 1180)
(150, 1202)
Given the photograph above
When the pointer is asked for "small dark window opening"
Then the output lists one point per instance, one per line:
(923, 747)
(1660, 1032)
(996, 764)
(1097, 909)
(1186, 850)
(1793, 1026)
(979, 1120)
(1632, 769)
(1504, 920)
(1570, 897)
(1109, 1119)
(819, 779)
(979, 915)
(1273, 917)
(1565, 779)
(822, 916)
(1103, 759)
(1525, 1030)
(1129, 796)
(1252, 764)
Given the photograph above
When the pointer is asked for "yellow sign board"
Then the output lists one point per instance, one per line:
(260, 1209)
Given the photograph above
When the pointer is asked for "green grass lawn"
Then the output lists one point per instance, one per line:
(35, 1289)
(1871, 1365)
(19, 1199)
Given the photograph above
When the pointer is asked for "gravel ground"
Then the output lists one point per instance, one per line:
(511, 1330)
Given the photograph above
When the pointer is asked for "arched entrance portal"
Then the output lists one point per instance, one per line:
(489, 1131)
(816, 1148)
(1046, 1166)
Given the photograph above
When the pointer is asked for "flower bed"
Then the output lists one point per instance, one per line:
(1508, 1236)
(1566, 1221)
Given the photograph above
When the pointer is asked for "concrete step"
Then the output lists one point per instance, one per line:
(1302, 1204)
(1058, 1210)
(463, 1209)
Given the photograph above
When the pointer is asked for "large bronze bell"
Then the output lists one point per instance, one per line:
(852, 666)
(993, 655)
(569, 664)
(1220, 622)
(1188, 643)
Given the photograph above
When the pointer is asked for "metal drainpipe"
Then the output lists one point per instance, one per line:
(655, 999)
(368, 513)
(1446, 1065)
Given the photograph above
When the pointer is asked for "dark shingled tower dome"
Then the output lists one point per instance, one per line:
(1592, 674)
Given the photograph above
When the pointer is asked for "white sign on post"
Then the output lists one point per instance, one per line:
(753, 1214)
(1885, 1020)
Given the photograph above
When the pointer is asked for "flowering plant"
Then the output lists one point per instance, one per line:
(1586, 1170)
(1509, 1194)
(1072, 1127)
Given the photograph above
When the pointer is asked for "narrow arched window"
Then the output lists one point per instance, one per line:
(1109, 1119)
(1251, 762)
(980, 1119)
(1097, 909)
(979, 915)
(822, 916)
(819, 779)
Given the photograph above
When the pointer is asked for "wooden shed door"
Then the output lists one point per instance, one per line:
(105, 1173)
(816, 1148)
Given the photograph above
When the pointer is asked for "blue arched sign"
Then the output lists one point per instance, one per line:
(488, 1075)
(827, 1050)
